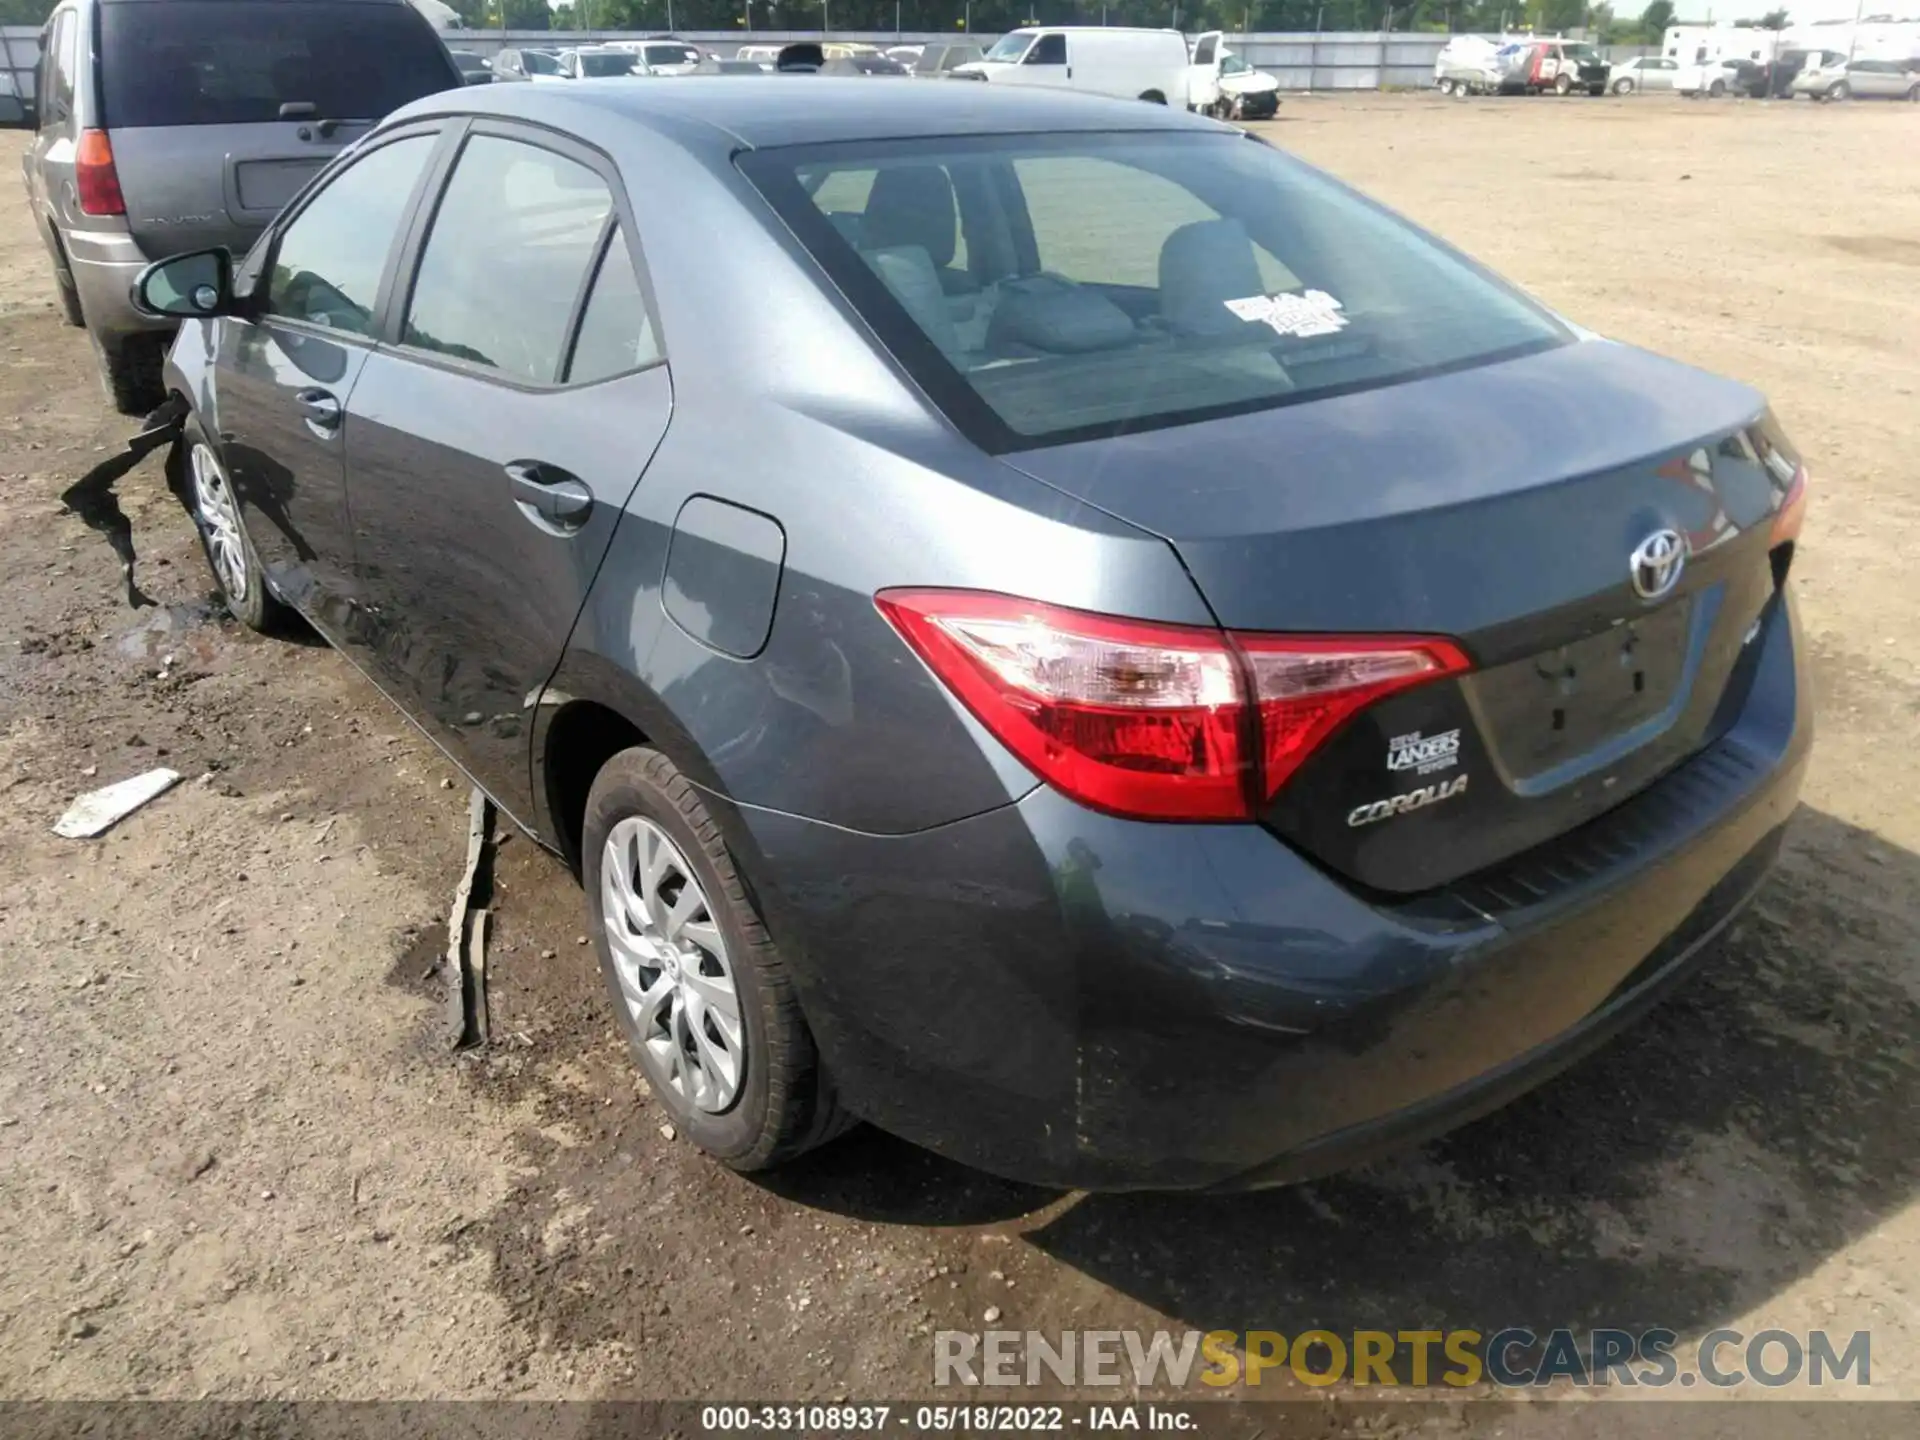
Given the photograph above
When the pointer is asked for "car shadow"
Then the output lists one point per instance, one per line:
(1732, 1141)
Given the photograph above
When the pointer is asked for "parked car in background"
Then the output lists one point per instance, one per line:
(939, 61)
(713, 65)
(1559, 66)
(1197, 699)
(167, 125)
(1835, 77)
(759, 54)
(1730, 75)
(1125, 63)
(905, 54)
(1643, 72)
(473, 68)
(874, 64)
(528, 64)
(1242, 92)
(666, 55)
(598, 62)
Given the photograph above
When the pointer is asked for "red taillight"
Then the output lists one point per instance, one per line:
(1149, 720)
(1792, 513)
(1308, 688)
(94, 178)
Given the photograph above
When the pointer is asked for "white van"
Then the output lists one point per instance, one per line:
(1130, 64)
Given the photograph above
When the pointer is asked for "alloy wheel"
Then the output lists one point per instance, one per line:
(671, 961)
(220, 521)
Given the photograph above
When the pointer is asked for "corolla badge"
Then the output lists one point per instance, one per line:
(1656, 564)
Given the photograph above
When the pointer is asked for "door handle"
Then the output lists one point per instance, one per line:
(547, 493)
(321, 410)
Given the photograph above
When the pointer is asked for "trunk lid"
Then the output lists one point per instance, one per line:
(1499, 506)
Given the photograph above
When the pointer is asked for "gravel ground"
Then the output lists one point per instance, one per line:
(241, 1163)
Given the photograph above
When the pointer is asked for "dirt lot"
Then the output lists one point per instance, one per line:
(238, 1162)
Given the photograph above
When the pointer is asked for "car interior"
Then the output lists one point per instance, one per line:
(994, 262)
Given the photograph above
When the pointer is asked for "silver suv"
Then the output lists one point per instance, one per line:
(171, 125)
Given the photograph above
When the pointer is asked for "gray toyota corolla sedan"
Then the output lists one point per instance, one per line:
(1042, 623)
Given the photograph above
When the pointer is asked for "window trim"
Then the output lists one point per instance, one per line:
(269, 251)
(413, 251)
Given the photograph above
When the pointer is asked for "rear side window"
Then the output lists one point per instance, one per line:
(57, 68)
(616, 333)
(1101, 283)
(231, 62)
(514, 236)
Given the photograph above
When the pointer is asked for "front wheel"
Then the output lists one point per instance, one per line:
(703, 995)
(1446, 87)
(1716, 90)
(1562, 84)
(1623, 87)
(1913, 95)
(1154, 97)
(1839, 90)
(223, 536)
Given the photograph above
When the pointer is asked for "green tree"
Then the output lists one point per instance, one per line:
(1655, 19)
(25, 12)
(1773, 20)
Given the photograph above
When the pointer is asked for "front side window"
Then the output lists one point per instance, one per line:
(328, 262)
(1234, 65)
(1204, 48)
(1048, 50)
(513, 237)
(1116, 282)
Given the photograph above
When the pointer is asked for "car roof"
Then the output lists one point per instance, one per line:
(777, 110)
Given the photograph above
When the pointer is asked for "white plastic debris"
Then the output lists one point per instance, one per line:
(100, 810)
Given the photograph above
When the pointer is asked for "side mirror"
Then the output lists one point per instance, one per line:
(13, 114)
(187, 287)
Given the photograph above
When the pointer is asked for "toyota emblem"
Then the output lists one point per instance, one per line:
(1656, 564)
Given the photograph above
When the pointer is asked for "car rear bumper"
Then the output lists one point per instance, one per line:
(1071, 999)
(104, 266)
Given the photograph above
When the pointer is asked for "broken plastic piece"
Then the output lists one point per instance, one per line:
(100, 810)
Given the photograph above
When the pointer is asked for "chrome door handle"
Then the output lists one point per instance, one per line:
(548, 493)
(320, 409)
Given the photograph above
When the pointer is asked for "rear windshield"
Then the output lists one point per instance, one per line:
(602, 65)
(230, 62)
(1064, 286)
(672, 55)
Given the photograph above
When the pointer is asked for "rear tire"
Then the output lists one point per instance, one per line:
(1913, 95)
(774, 1102)
(131, 371)
(1446, 87)
(1154, 97)
(1716, 90)
(1839, 90)
(1562, 84)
